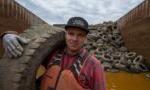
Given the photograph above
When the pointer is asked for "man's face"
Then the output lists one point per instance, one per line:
(75, 38)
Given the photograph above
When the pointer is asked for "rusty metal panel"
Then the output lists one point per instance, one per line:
(135, 29)
(148, 7)
(141, 11)
(15, 17)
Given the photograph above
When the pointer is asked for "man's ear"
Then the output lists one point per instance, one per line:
(66, 31)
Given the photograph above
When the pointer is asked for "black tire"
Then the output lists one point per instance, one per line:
(20, 73)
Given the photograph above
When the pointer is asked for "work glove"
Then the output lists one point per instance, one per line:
(13, 45)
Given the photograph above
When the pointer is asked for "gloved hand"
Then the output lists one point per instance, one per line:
(13, 45)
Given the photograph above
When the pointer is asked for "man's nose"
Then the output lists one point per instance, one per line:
(75, 37)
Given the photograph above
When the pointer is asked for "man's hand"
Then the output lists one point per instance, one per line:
(13, 45)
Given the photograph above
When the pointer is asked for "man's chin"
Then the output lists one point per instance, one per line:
(74, 49)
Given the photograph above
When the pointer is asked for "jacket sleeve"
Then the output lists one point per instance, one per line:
(98, 77)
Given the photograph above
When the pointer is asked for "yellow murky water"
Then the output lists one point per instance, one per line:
(127, 81)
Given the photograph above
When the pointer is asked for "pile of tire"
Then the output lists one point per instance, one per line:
(106, 43)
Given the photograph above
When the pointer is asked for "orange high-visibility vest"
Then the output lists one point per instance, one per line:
(57, 79)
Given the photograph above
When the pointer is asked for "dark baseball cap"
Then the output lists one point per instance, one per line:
(77, 22)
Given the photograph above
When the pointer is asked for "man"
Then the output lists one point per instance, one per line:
(68, 68)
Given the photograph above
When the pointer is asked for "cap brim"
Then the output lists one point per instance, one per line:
(67, 26)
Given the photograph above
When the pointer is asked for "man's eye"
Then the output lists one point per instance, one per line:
(81, 35)
(70, 33)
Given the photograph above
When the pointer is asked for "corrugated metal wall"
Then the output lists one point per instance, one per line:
(135, 29)
(15, 17)
(140, 12)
